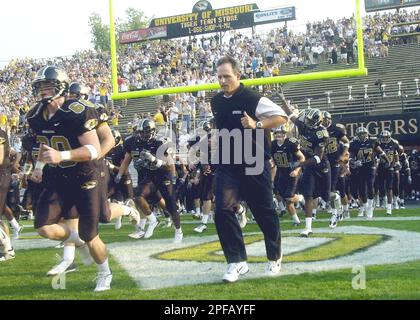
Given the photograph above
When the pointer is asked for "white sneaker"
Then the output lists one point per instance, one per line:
(202, 227)
(85, 255)
(334, 220)
(65, 266)
(241, 215)
(103, 281)
(389, 212)
(118, 223)
(17, 232)
(273, 267)
(306, 233)
(178, 237)
(7, 256)
(235, 270)
(134, 214)
(138, 234)
(150, 228)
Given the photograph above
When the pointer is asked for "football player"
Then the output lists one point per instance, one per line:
(7, 251)
(108, 211)
(387, 167)
(6, 169)
(363, 150)
(316, 177)
(337, 150)
(207, 177)
(69, 147)
(152, 156)
(415, 174)
(284, 152)
(405, 179)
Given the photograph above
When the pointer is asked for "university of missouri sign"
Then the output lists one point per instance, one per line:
(404, 127)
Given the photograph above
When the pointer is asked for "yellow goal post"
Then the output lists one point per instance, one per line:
(360, 71)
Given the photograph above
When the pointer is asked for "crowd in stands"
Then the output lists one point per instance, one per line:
(181, 62)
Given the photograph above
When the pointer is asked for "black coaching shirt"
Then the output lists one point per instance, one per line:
(228, 112)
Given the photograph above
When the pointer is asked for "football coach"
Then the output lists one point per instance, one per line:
(244, 120)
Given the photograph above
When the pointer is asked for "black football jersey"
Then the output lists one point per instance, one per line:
(157, 147)
(62, 130)
(333, 150)
(285, 154)
(312, 138)
(364, 151)
(116, 155)
(405, 163)
(4, 141)
(391, 149)
(414, 163)
(30, 148)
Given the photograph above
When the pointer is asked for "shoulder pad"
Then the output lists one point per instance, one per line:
(77, 107)
(91, 124)
(340, 126)
(294, 140)
(373, 139)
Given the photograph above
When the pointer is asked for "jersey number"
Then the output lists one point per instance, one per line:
(59, 143)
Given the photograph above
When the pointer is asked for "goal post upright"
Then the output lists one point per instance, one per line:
(356, 72)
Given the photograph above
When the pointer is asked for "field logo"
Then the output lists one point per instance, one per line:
(157, 264)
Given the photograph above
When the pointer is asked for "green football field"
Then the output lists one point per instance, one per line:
(361, 259)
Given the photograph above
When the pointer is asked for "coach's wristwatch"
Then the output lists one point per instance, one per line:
(259, 125)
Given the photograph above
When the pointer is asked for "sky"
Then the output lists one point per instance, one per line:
(49, 28)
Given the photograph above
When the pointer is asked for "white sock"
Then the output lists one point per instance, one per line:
(346, 207)
(104, 267)
(142, 224)
(205, 218)
(296, 218)
(370, 203)
(14, 224)
(334, 212)
(308, 223)
(178, 231)
(74, 237)
(5, 240)
(389, 206)
(127, 210)
(152, 218)
(314, 211)
(69, 252)
(198, 211)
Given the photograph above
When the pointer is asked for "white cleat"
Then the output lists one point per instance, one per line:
(201, 228)
(389, 212)
(118, 223)
(7, 256)
(65, 266)
(273, 267)
(178, 237)
(234, 271)
(85, 255)
(17, 232)
(103, 281)
(137, 235)
(306, 233)
(150, 228)
(334, 220)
